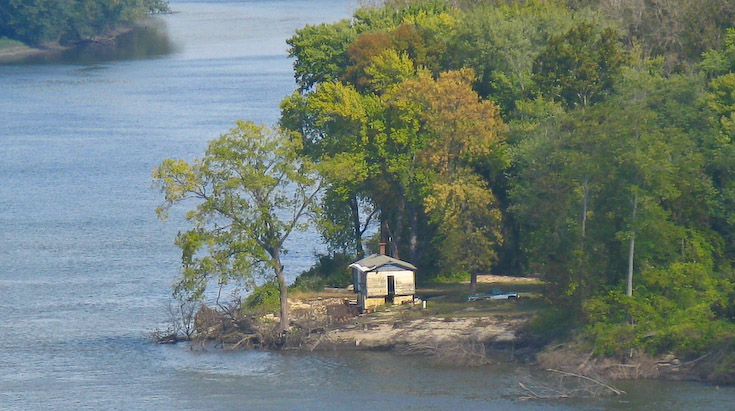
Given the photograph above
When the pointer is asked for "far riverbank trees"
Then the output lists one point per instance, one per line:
(35, 22)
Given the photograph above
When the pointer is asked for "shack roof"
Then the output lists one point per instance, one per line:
(375, 261)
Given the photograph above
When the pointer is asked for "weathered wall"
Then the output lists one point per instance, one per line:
(403, 299)
(405, 284)
(377, 283)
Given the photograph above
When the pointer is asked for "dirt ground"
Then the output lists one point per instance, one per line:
(505, 279)
(447, 317)
(384, 330)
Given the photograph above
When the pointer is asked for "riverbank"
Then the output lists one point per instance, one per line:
(441, 317)
(441, 324)
(447, 329)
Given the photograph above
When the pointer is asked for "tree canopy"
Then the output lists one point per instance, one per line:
(558, 138)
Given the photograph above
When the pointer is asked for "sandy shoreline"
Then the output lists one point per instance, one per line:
(15, 53)
(383, 332)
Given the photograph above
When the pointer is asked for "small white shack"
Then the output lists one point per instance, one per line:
(379, 279)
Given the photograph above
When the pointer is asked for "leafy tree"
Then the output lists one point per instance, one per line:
(360, 53)
(389, 69)
(719, 65)
(468, 223)
(33, 21)
(419, 42)
(501, 41)
(579, 68)
(251, 190)
(333, 122)
(320, 52)
(463, 132)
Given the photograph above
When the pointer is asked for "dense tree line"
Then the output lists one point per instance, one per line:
(592, 143)
(39, 21)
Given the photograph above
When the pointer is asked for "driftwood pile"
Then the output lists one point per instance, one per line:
(568, 385)
(231, 329)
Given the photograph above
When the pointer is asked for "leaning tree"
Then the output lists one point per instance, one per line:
(251, 190)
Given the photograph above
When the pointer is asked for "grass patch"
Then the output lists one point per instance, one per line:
(305, 295)
(8, 43)
(449, 300)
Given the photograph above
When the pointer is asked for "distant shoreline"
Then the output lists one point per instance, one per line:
(18, 53)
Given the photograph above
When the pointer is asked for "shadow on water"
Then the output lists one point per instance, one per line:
(147, 39)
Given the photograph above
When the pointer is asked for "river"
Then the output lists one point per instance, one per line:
(86, 267)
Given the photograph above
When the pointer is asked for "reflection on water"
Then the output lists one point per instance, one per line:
(147, 39)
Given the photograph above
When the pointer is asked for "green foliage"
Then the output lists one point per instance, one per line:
(6, 42)
(411, 155)
(320, 52)
(451, 276)
(579, 68)
(38, 21)
(680, 30)
(552, 324)
(500, 42)
(329, 271)
(723, 373)
(593, 165)
(263, 299)
(656, 324)
(716, 62)
(395, 12)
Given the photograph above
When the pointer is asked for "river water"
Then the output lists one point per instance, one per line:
(86, 268)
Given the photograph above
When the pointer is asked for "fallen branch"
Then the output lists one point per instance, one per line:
(317, 342)
(584, 377)
(533, 393)
(684, 364)
(246, 339)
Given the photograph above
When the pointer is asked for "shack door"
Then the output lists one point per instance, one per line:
(391, 288)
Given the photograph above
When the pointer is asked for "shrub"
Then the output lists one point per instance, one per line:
(452, 277)
(328, 271)
(552, 324)
(264, 298)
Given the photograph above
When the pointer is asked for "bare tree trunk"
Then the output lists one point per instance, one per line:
(413, 237)
(583, 240)
(629, 289)
(586, 192)
(356, 227)
(473, 282)
(283, 292)
(398, 232)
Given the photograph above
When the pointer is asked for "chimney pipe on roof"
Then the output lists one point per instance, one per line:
(381, 247)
